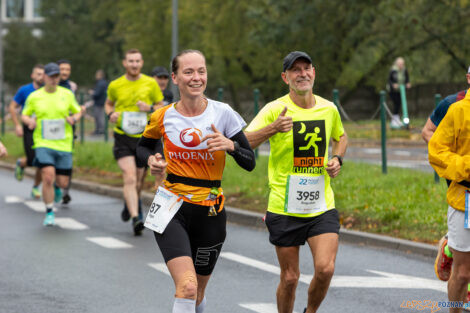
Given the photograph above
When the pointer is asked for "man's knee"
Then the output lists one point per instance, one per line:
(129, 177)
(462, 274)
(324, 272)
(186, 287)
(290, 278)
(48, 176)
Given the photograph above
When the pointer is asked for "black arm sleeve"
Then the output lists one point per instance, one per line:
(244, 156)
(147, 147)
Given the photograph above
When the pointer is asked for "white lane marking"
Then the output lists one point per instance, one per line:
(70, 223)
(13, 199)
(109, 242)
(161, 267)
(402, 153)
(260, 265)
(260, 307)
(385, 280)
(37, 206)
(372, 150)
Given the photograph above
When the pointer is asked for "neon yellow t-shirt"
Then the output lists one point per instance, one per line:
(51, 109)
(301, 152)
(125, 94)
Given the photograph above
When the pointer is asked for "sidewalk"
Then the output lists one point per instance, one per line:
(255, 220)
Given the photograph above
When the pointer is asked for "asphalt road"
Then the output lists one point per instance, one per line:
(91, 262)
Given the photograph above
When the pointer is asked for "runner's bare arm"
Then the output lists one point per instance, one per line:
(282, 124)
(333, 166)
(12, 108)
(109, 109)
(158, 105)
(428, 129)
(144, 107)
(3, 150)
(28, 121)
(74, 118)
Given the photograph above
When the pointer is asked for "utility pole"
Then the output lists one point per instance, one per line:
(174, 43)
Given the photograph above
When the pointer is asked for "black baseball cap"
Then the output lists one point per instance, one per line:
(51, 69)
(292, 57)
(160, 71)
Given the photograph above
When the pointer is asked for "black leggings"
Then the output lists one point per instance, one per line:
(192, 232)
(396, 99)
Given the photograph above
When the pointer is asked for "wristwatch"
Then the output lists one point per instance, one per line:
(236, 146)
(340, 159)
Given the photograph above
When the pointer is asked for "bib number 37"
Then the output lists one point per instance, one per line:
(164, 207)
(305, 194)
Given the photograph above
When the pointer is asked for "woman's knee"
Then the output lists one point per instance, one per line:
(186, 287)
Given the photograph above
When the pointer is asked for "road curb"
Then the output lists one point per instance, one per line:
(255, 220)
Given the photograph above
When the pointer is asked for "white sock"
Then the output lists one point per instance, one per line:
(200, 308)
(49, 207)
(182, 305)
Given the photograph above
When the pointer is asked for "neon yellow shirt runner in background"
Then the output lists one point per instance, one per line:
(125, 94)
(301, 151)
(52, 106)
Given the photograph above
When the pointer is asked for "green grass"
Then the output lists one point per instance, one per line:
(403, 203)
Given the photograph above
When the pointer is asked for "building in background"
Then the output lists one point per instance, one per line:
(27, 11)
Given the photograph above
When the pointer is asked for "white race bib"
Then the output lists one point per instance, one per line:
(163, 208)
(53, 129)
(305, 194)
(133, 123)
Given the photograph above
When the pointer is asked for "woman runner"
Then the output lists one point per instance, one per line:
(196, 132)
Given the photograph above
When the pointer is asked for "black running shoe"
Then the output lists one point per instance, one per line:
(66, 199)
(138, 226)
(125, 216)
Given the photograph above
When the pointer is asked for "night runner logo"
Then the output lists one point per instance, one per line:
(191, 137)
(309, 147)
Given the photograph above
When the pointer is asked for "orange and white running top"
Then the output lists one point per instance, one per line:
(184, 152)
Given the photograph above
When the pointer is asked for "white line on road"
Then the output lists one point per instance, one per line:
(37, 206)
(385, 280)
(70, 223)
(109, 242)
(402, 153)
(372, 150)
(161, 267)
(13, 199)
(260, 307)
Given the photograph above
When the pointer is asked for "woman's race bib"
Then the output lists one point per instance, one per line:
(163, 208)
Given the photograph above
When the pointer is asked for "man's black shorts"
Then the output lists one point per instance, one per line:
(28, 145)
(126, 146)
(290, 231)
(193, 233)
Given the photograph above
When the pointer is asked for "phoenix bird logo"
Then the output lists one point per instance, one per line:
(191, 137)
